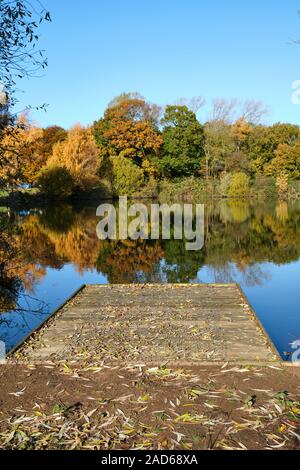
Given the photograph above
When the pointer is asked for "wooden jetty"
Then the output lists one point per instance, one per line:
(153, 324)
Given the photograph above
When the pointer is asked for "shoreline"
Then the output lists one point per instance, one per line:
(20, 200)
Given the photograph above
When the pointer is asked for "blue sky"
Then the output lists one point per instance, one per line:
(165, 49)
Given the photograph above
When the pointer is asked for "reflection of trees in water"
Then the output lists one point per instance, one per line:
(127, 261)
(53, 241)
(37, 246)
(238, 238)
(16, 278)
(181, 265)
(10, 284)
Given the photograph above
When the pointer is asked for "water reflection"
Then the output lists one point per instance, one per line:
(240, 241)
(10, 281)
(235, 232)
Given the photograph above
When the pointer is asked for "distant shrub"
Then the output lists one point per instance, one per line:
(56, 183)
(127, 177)
(239, 185)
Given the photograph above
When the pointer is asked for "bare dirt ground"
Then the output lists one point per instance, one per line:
(100, 407)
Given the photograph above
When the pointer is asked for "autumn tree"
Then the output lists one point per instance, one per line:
(127, 129)
(240, 130)
(26, 149)
(125, 96)
(51, 136)
(263, 141)
(286, 161)
(79, 154)
(19, 57)
(153, 112)
(183, 142)
(13, 143)
(32, 157)
(37, 148)
(10, 168)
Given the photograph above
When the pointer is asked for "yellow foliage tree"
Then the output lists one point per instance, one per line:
(10, 168)
(287, 160)
(79, 154)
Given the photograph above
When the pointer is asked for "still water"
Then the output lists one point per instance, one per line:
(45, 255)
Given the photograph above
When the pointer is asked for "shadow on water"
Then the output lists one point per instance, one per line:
(45, 255)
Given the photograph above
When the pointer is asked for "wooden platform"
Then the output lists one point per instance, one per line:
(157, 324)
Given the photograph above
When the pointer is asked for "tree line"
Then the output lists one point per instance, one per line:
(136, 145)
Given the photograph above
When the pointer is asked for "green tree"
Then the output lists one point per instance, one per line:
(183, 142)
(126, 177)
(219, 145)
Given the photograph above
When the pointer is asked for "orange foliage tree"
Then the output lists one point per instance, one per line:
(22, 155)
(240, 130)
(128, 129)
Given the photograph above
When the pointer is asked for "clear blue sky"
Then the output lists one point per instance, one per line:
(166, 49)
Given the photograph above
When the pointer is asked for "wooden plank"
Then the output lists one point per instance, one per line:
(153, 324)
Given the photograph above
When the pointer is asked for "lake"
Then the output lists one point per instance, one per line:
(46, 254)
